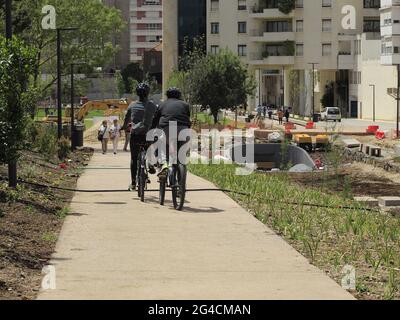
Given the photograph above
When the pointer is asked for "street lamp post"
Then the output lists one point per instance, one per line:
(313, 86)
(12, 165)
(59, 94)
(373, 97)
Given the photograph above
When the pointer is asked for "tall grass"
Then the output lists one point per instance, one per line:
(330, 237)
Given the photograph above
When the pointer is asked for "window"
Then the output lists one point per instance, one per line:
(214, 27)
(242, 5)
(214, 5)
(299, 49)
(326, 49)
(299, 3)
(242, 50)
(214, 49)
(326, 25)
(327, 3)
(299, 26)
(242, 27)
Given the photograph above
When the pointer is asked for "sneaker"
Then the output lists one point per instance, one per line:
(163, 170)
(132, 187)
(152, 170)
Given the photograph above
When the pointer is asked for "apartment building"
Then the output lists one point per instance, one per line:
(145, 27)
(282, 48)
(144, 30)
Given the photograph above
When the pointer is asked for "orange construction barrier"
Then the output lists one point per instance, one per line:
(310, 125)
(372, 129)
(380, 135)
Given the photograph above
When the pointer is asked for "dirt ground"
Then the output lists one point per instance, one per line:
(30, 220)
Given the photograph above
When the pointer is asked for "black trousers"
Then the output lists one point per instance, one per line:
(135, 143)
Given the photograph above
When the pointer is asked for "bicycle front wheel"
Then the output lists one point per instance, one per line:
(163, 186)
(179, 186)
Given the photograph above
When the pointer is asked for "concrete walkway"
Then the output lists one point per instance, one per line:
(112, 246)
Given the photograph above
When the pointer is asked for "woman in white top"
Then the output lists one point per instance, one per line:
(104, 136)
(115, 134)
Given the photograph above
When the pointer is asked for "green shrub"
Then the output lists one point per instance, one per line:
(46, 142)
(64, 147)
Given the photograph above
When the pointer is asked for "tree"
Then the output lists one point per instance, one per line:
(220, 81)
(328, 99)
(120, 83)
(132, 71)
(97, 24)
(286, 6)
(16, 68)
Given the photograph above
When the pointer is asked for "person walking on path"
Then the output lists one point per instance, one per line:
(269, 112)
(104, 136)
(280, 116)
(115, 135)
(287, 115)
(127, 137)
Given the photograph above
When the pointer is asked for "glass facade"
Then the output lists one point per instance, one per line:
(191, 21)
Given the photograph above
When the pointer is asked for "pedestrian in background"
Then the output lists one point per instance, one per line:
(270, 112)
(115, 135)
(104, 136)
(280, 116)
(287, 115)
(127, 137)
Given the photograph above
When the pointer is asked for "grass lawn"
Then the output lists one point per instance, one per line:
(330, 236)
(205, 118)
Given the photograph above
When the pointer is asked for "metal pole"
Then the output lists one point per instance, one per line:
(72, 108)
(313, 89)
(398, 101)
(12, 165)
(59, 95)
(374, 105)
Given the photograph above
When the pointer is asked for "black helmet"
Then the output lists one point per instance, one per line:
(174, 93)
(142, 90)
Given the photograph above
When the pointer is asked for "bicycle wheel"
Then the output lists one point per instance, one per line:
(179, 186)
(142, 176)
(163, 186)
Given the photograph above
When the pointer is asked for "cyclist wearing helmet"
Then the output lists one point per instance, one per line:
(173, 110)
(140, 115)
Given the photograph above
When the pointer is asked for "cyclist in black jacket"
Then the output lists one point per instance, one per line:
(173, 110)
(140, 115)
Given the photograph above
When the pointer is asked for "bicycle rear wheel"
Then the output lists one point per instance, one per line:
(163, 186)
(179, 186)
(142, 176)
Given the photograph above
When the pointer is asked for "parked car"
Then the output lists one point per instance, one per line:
(331, 114)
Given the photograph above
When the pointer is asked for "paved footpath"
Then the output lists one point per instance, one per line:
(112, 246)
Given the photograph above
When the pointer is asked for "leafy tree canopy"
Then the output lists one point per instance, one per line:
(220, 81)
(16, 66)
(92, 43)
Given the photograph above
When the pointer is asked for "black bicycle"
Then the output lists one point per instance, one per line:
(176, 180)
(142, 174)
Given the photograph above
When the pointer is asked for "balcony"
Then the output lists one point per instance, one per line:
(389, 60)
(146, 20)
(267, 13)
(345, 61)
(389, 3)
(259, 58)
(146, 32)
(260, 36)
(144, 45)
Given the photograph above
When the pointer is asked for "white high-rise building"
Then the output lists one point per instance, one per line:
(145, 26)
(280, 47)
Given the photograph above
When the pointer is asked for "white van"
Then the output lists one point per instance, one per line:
(331, 114)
